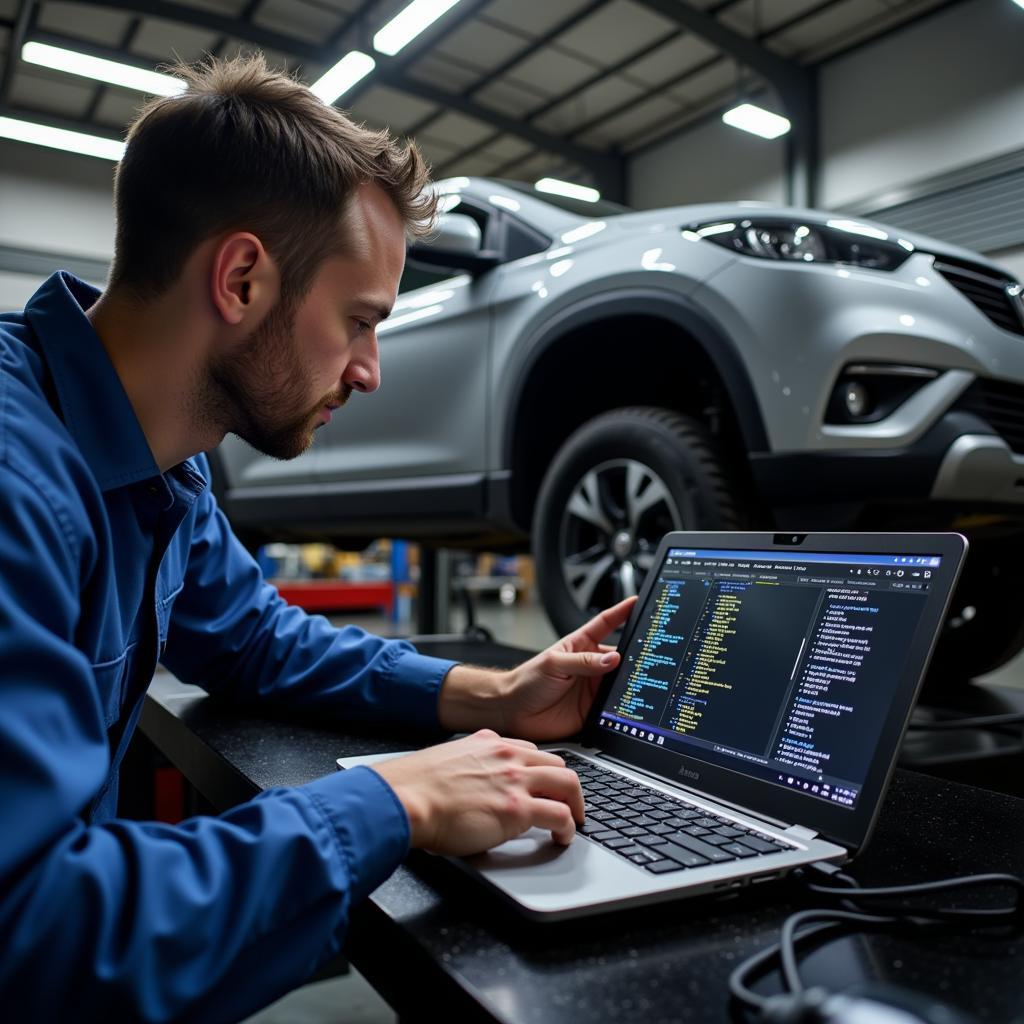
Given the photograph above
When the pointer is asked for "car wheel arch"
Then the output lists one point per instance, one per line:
(675, 315)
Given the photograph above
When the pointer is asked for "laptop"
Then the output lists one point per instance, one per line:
(753, 723)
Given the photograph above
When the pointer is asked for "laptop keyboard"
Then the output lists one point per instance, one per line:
(656, 831)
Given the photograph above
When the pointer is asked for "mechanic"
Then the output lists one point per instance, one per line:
(260, 241)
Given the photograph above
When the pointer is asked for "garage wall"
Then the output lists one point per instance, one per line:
(1012, 259)
(938, 96)
(706, 164)
(56, 210)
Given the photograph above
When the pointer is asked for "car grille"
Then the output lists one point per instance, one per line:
(1001, 406)
(986, 289)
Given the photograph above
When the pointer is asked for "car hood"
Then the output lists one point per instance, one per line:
(704, 213)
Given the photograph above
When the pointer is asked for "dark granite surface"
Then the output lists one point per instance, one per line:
(438, 947)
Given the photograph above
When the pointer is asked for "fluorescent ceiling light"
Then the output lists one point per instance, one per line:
(353, 67)
(405, 26)
(61, 138)
(75, 63)
(566, 188)
(1019, 3)
(757, 121)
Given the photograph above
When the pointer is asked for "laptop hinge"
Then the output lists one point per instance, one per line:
(801, 833)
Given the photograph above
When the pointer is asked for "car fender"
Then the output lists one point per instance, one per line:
(670, 306)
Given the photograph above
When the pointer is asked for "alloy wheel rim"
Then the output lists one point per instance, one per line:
(615, 517)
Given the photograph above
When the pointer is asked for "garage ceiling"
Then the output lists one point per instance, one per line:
(512, 88)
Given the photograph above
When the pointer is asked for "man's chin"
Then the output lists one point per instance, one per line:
(284, 447)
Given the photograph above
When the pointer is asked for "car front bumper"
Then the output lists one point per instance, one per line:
(962, 459)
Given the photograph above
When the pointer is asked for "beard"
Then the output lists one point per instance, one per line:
(259, 391)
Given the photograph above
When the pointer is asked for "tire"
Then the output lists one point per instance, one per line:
(984, 628)
(592, 546)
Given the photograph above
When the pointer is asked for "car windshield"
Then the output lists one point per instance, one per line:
(602, 208)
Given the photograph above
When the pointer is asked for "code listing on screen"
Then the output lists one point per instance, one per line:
(781, 666)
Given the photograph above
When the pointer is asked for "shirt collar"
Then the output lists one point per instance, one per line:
(96, 408)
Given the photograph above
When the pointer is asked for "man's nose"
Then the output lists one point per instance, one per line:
(363, 372)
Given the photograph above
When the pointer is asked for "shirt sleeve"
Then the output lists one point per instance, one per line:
(124, 920)
(232, 634)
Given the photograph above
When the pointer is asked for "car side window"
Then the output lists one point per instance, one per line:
(420, 275)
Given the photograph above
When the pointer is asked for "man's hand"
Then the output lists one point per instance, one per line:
(474, 793)
(545, 698)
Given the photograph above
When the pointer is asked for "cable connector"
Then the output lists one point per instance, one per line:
(795, 1008)
(824, 867)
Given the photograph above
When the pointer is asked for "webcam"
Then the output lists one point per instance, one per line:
(791, 539)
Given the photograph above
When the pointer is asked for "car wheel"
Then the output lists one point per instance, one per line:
(614, 489)
(984, 628)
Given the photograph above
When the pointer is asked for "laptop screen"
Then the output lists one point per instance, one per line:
(782, 666)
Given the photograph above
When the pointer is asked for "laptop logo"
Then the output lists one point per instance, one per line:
(690, 774)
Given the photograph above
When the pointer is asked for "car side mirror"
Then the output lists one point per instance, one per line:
(455, 243)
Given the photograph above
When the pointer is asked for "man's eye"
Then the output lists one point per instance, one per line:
(364, 325)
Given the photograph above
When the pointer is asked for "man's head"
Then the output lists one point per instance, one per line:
(296, 213)
(248, 148)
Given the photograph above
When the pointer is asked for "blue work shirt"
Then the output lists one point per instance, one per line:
(106, 566)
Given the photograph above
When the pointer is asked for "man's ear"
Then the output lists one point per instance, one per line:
(244, 280)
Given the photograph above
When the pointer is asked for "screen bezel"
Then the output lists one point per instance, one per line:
(851, 827)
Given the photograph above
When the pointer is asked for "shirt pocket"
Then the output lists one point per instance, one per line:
(111, 678)
(163, 616)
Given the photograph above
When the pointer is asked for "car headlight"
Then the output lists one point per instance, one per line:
(838, 241)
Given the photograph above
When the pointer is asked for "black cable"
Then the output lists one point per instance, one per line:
(800, 1004)
(852, 893)
(737, 979)
(789, 937)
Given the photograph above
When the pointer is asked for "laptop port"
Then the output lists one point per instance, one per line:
(765, 878)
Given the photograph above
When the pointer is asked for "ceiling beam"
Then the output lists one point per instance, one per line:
(26, 16)
(795, 84)
(451, 20)
(608, 169)
(71, 124)
(783, 74)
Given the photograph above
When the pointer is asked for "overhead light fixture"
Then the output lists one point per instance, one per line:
(97, 68)
(352, 68)
(568, 189)
(61, 138)
(408, 23)
(1019, 3)
(757, 121)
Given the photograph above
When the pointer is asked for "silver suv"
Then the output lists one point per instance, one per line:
(591, 377)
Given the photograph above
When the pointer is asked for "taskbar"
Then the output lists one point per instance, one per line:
(821, 787)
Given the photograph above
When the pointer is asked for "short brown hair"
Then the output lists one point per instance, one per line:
(249, 148)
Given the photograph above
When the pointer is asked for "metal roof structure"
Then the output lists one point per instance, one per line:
(511, 88)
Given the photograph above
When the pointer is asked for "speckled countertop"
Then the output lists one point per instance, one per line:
(440, 948)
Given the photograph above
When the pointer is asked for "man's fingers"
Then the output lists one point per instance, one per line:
(583, 663)
(561, 784)
(607, 621)
(555, 817)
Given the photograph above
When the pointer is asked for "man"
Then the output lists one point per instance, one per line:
(260, 240)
